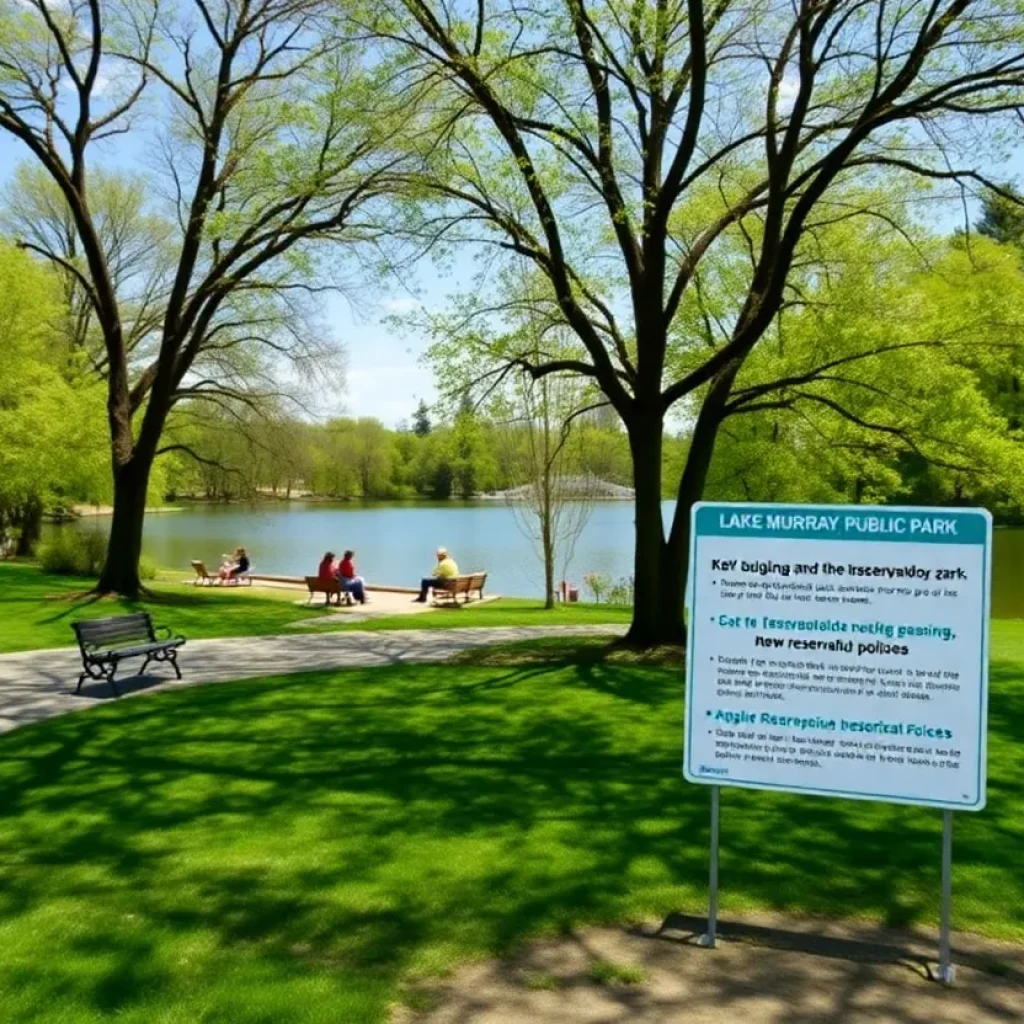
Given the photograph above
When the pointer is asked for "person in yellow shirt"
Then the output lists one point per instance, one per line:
(444, 570)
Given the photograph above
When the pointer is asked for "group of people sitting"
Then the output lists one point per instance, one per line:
(344, 571)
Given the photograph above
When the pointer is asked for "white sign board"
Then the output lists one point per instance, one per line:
(839, 650)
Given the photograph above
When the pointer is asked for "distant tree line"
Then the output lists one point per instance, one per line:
(432, 458)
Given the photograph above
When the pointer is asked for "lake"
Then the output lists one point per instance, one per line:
(395, 543)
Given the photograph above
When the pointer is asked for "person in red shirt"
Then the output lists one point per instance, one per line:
(326, 571)
(350, 580)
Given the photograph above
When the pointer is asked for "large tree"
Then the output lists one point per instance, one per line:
(618, 144)
(269, 136)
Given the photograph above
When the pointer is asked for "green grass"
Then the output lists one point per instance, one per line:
(312, 849)
(507, 611)
(36, 610)
(607, 972)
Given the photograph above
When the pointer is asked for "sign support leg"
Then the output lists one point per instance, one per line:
(946, 970)
(707, 940)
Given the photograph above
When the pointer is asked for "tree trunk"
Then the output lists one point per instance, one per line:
(31, 527)
(655, 620)
(547, 541)
(676, 561)
(121, 571)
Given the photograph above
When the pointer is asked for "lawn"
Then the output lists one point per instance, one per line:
(302, 850)
(36, 610)
(506, 611)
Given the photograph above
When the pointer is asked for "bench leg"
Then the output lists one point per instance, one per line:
(172, 657)
(81, 679)
(110, 679)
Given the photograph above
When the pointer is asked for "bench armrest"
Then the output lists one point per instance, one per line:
(165, 633)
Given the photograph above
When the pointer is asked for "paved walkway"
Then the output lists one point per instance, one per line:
(35, 685)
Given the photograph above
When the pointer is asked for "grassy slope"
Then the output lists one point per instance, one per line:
(36, 610)
(298, 850)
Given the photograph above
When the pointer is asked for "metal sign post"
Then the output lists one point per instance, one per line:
(946, 969)
(707, 940)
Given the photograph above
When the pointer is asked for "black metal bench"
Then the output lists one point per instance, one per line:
(105, 643)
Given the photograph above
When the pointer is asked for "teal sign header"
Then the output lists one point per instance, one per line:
(844, 522)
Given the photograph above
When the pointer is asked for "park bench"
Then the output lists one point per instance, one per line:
(449, 591)
(105, 643)
(327, 587)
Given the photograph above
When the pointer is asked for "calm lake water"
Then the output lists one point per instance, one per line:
(395, 543)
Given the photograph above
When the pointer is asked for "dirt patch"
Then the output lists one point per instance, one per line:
(766, 970)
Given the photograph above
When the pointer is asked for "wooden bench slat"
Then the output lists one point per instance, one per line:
(464, 584)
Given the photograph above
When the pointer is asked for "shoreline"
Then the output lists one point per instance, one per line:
(92, 511)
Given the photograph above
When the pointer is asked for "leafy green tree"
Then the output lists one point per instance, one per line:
(1002, 216)
(274, 137)
(421, 425)
(881, 384)
(52, 449)
(618, 146)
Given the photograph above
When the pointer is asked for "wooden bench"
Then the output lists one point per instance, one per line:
(105, 643)
(449, 591)
(327, 587)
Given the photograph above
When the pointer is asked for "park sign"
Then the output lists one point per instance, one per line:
(839, 651)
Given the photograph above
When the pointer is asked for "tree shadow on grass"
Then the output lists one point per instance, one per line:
(357, 827)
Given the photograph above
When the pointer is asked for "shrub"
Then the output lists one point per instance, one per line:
(72, 552)
(147, 568)
(621, 592)
(597, 583)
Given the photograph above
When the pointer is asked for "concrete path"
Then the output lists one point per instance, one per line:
(35, 685)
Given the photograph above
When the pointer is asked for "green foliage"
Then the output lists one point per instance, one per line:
(597, 583)
(1002, 217)
(359, 459)
(52, 431)
(893, 377)
(73, 553)
(421, 425)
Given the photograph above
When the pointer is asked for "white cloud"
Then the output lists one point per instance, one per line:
(99, 85)
(401, 304)
(789, 87)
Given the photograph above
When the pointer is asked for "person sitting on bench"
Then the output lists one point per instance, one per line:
(326, 570)
(349, 579)
(444, 570)
(235, 566)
